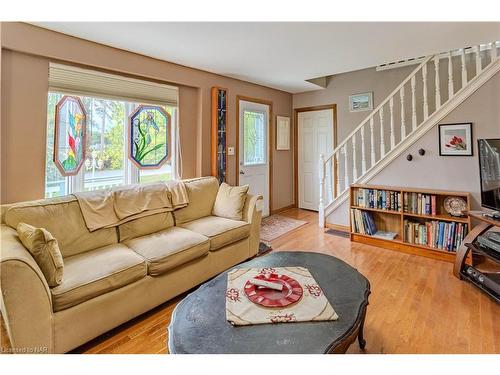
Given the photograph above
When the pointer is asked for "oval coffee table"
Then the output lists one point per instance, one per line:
(199, 322)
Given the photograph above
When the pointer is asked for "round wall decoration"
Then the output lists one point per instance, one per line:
(149, 131)
(455, 206)
(70, 135)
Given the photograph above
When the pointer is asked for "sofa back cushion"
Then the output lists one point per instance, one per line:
(201, 193)
(145, 225)
(63, 219)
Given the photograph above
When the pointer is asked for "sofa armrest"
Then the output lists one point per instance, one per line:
(252, 213)
(253, 203)
(26, 301)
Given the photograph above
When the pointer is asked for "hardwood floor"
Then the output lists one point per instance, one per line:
(416, 305)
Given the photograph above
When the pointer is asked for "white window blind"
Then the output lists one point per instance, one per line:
(77, 81)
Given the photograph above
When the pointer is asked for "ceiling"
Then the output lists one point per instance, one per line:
(282, 55)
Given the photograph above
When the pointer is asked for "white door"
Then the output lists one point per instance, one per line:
(254, 150)
(315, 136)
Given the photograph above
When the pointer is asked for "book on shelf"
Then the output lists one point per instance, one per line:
(419, 203)
(379, 199)
(440, 235)
(362, 222)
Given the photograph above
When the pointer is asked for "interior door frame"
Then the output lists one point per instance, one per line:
(296, 111)
(269, 141)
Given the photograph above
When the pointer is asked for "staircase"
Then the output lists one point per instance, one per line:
(438, 85)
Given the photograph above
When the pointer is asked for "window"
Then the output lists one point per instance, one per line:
(109, 100)
(254, 146)
(106, 163)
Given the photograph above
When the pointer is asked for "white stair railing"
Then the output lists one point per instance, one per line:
(343, 160)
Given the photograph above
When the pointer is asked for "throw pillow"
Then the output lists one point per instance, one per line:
(230, 201)
(45, 250)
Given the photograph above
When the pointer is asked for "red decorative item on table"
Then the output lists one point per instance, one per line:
(291, 292)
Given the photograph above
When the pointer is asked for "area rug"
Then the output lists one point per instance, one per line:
(275, 226)
(264, 248)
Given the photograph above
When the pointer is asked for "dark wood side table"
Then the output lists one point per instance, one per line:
(485, 225)
(199, 322)
(489, 268)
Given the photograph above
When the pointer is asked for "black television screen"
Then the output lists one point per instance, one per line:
(489, 171)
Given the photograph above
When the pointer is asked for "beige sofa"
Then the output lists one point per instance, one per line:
(114, 274)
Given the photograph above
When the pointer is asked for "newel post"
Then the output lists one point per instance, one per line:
(321, 208)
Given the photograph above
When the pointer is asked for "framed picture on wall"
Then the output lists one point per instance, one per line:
(455, 139)
(282, 133)
(361, 102)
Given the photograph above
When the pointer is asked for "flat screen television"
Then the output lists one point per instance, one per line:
(489, 172)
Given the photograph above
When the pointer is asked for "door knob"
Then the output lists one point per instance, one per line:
(241, 172)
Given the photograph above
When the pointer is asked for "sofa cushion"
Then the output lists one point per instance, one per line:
(169, 249)
(44, 249)
(63, 219)
(230, 201)
(201, 193)
(97, 272)
(221, 231)
(145, 225)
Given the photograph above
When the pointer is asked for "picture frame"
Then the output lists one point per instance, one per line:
(282, 133)
(455, 139)
(361, 102)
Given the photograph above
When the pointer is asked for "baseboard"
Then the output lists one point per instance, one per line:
(342, 228)
(278, 210)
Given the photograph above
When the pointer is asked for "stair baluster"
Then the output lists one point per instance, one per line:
(363, 154)
(424, 82)
(413, 105)
(450, 77)
(321, 204)
(464, 68)
(346, 168)
(382, 143)
(478, 60)
(354, 166)
(337, 173)
(403, 125)
(372, 144)
(391, 110)
(436, 82)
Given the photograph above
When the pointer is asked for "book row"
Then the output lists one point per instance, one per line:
(436, 234)
(380, 199)
(418, 203)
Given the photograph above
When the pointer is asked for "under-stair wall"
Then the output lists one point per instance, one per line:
(432, 171)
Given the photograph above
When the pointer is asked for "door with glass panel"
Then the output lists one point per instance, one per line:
(254, 149)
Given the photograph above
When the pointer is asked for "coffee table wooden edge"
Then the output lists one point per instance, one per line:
(343, 343)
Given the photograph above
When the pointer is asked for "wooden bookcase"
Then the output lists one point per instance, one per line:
(393, 221)
(219, 133)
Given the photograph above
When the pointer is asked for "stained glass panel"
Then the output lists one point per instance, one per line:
(70, 135)
(149, 137)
